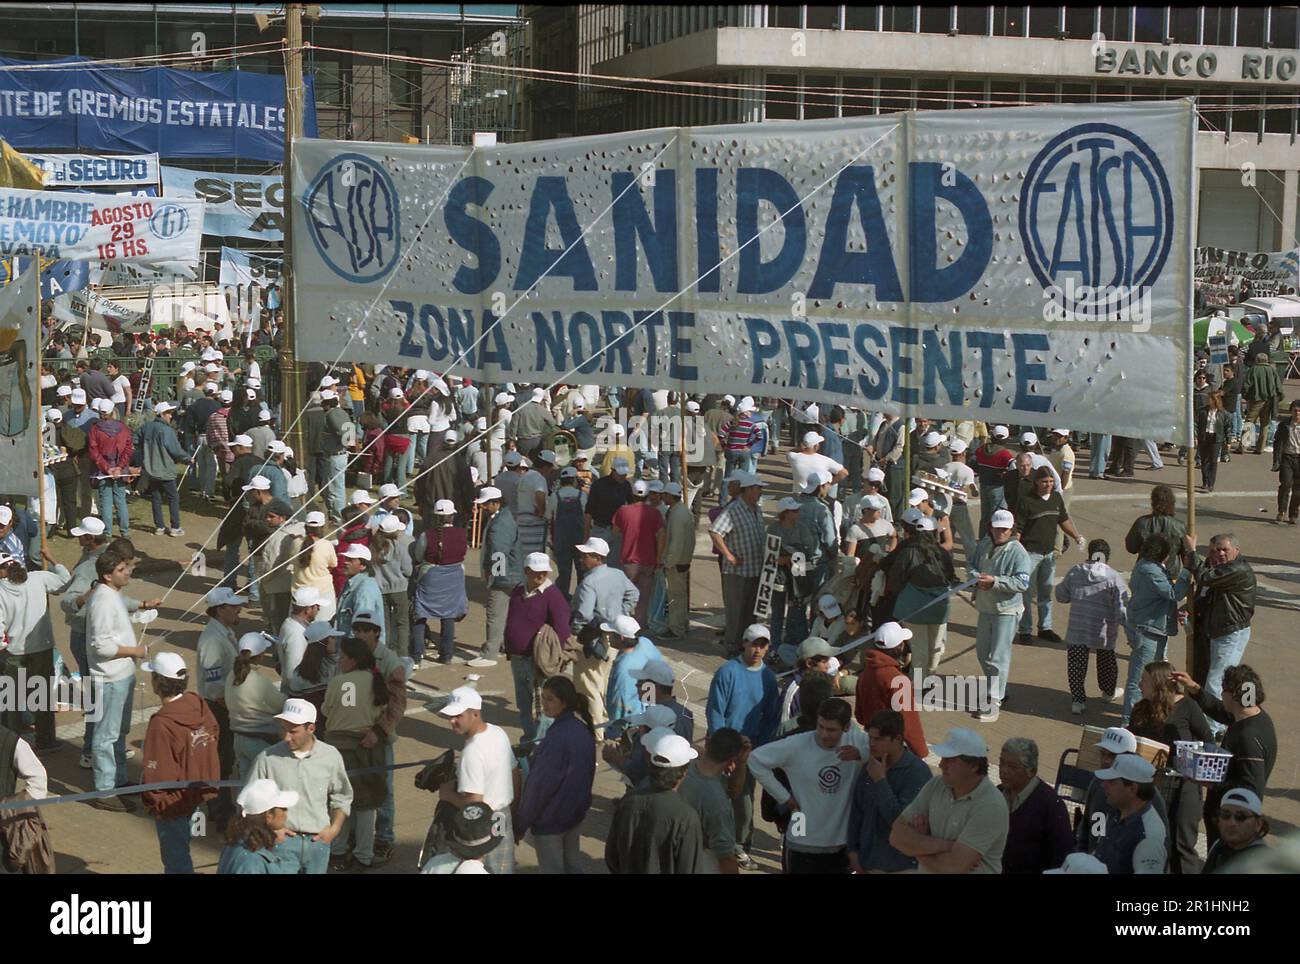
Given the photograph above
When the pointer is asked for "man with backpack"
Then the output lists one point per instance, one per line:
(567, 511)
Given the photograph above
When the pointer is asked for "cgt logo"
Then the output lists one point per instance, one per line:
(354, 218)
(1096, 219)
(169, 221)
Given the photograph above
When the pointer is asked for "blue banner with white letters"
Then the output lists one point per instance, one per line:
(1023, 265)
(72, 105)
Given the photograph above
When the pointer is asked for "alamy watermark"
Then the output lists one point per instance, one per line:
(35, 693)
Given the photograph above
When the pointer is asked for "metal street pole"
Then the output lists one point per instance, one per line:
(292, 389)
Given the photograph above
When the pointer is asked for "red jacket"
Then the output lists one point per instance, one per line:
(109, 444)
(356, 534)
(180, 744)
(876, 692)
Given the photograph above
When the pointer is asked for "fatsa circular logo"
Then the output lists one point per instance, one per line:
(354, 218)
(169, 221)
(1096, 220)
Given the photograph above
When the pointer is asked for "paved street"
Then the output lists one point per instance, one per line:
(88, 840)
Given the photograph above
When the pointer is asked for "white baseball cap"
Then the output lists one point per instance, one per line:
(877, 502)
(830, 606)
(813, 438)
(451, 435)
(391, 523)
(1028, 438)
(489, 493)
(53, 415)
(547, 456)
(813, 647)
(910, 517)
(891, 636)
(961, 742)
(170, 665)
(1002, 519)
(538, 562)
(748, 480)
(673, 488)
(254, 383)
(639, 487)
(78, 396)
(160, 409)
(815, 481)
(259, 796)
(254, 643)
(297, 712)
(394, 392)
(503, 398)
(250, 393)
(63, 391)
(745, 405)
(596, 546)
(1080, 864)
(625, 626)
(620, 466)
(654, 716)
(319, 630)
(513, 458)
(1001, 431)
(568, 472)
(210, 388)
(305, 596)
(925, 524)
(1245, 798)
(875, 474)
(462, 698)
(729, 399)
(228, 396)
(328, 395)
(224, 596)
(657, 671)
(314, 519)
(1130, 767)
(422, 376)
(329, 381)
(1118, 740)
(693, 407)
(368, 618)
(389, 491)
(102, 405)
(356, 551)
(667, 749)
(756, 631)
(957, 446)
(444, 507)
(90, 526)
(258, 483)
(276, 447)
(931, 440)
(917, 496)
(264, 415)
(362, 497)
(241, 440)
(1063, 432)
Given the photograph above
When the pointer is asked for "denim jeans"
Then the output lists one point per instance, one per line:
(230, 565)
(994, 634)
(395, 469)
(362, 824)
(1042, 573)
(77, 643)
(419, 448)
(157, 489)
(206, 471)
(522, 669)
(112, 495)
(741, 461)
(334, 484)
(1225, 651)
(174, 844)
(1146, 648)
(659, 600)
(109, 746)
(1153, 452)
(1237, 420)
(386, 814)
(247, 749)
(304, 855)
(564, 564)
(1100, 453)
(558, 853)
(992, 498)
(498, 605)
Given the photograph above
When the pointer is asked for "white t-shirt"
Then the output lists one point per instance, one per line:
(804, 465)
(485, 768)
(960, 475)
(122, 384)
(254, 370)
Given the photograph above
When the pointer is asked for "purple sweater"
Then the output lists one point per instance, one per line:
(527, 615)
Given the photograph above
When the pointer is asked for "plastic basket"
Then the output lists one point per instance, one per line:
(1204, 764)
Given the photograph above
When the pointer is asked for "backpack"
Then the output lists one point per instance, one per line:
(568, 524)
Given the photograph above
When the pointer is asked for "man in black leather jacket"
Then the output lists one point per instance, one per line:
(1225, 606)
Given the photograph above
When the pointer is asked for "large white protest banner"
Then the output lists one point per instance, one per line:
(89, 170)
(1025, 265)
(1221, 274)
(19, 402)
(237, 205)
(245, 268)
(80, 226)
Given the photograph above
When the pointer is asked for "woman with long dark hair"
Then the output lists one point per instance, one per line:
(557, 792)
(1165, 714)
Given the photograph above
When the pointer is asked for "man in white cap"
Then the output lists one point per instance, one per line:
(567, 508)
(1001, 567)
(536, 607)
(180, 745)
(217, 433)
(1135, 839)
(333, 454)
(313, 770)
(678, 552)
(739, 535)
(1060, 455)
(958, 823)
(486, 772)
(608, 494)
(292, 639)
(738, 438)
(502, 569)
(507, 480)
(110, 446)
(658, 832)
(275, 560)
(530, 501)
(807, 461)
(962, 476)
(160, 450)
(633, 651)
(992, 460)
(214, 660)
(531, 424)
(640, 529)
(361, 592)
(821, 768)
(603, 595)
(1116, 740)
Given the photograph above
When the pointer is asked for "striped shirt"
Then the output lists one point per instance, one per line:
(740, 434)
